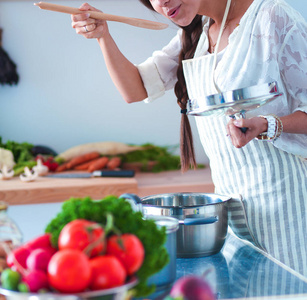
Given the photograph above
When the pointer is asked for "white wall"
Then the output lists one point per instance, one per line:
(65, 96)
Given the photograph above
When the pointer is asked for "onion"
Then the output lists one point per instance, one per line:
(192, 288)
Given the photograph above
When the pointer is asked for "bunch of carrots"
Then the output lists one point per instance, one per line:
(90, 162)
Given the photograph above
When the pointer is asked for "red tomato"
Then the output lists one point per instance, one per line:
(79, 234)
(69, 271)
(107, 272)
(128, 249)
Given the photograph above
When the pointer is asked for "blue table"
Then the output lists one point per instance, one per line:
(238, 271)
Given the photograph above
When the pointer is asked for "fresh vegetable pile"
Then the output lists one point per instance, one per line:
(26, 154)
(91, 161)
(85, 237)
(150, 157)
(91, 157)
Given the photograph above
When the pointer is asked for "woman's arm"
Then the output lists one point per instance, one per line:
(295, 122)
(124, 74)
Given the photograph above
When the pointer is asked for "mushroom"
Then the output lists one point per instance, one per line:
(40, 168)
(6, 173)
(28, 175)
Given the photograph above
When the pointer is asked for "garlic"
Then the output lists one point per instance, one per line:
(40, 168)
(28, 175)
(6, 173)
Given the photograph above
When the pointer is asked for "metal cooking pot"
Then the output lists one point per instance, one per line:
(203, 219)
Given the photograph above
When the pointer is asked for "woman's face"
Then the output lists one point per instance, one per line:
(181, 12)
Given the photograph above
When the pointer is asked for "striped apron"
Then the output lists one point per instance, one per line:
(268, 186)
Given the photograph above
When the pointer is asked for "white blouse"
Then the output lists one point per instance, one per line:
(270, 44)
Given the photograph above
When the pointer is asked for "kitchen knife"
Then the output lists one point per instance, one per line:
(101, 173)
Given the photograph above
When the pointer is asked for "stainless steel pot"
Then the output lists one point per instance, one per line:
(203, 219)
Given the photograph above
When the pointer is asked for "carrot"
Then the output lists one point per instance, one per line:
(114, 163)
(62, 167)
(104, 148)
(98, 164)
(84, 166)
(80, 159)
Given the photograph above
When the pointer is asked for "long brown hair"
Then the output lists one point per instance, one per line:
(190, 37)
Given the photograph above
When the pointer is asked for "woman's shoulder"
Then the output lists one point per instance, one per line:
(280, 10)
(277, 17)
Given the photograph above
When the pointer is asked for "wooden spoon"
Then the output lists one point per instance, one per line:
(102, 16)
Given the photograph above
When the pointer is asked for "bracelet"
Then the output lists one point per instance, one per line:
(279, 128)
(271, 132)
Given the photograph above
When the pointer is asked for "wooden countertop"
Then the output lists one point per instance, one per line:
(46, 189)
(198, 181)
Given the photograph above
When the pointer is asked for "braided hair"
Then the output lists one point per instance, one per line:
(190, 37)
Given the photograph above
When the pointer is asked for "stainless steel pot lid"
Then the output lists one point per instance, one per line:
(234, 102)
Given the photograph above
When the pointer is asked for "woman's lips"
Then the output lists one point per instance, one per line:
(173, 12)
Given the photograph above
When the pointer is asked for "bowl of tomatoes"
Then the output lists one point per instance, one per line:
(87, 263)
(90, 249)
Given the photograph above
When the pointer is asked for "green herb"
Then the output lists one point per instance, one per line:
(164, 158)
(126, 220)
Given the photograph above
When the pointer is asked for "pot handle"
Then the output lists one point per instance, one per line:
(199, 221)
(134, 200)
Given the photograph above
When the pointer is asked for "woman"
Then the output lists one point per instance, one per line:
(253, 42)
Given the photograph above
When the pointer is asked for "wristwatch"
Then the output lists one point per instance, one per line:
(271, 132)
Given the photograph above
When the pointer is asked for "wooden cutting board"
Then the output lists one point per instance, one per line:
(45, 189)
(48, 190)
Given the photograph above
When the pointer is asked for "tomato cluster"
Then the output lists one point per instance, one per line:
(86, 259)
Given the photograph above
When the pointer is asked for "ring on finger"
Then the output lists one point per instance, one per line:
(85, 28)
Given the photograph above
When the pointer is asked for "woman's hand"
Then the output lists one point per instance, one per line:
(293, 123)
(254, 126)
(88, 27)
